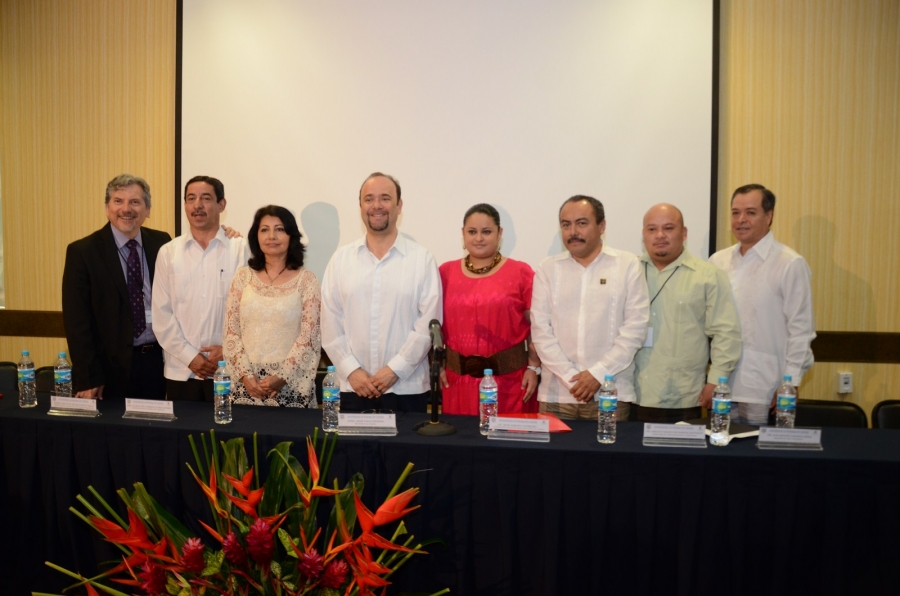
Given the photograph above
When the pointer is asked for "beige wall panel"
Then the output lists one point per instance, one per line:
(810, 107)
(87, 92)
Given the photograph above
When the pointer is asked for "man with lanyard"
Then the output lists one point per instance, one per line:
(193, 274)
(106, 300)
(693, 320)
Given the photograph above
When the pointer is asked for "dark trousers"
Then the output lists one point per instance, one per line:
(418, 402)
(145, 380)
(664, 415)
(190, 390)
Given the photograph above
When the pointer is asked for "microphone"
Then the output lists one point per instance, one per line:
(437, 338)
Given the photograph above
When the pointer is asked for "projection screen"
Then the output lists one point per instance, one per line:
(516, 103)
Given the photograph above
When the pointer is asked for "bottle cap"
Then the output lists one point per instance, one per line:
(788, 378)
(330, 369)
(723, 379)
(608, 377)
(488, 371)
(62, 355)
(221, 363)
(25, 352)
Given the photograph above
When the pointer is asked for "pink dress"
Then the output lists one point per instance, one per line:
(483, 316)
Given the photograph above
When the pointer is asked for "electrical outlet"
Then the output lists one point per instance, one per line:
(845, 382)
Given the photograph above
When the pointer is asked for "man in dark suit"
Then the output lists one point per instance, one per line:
(106, 300)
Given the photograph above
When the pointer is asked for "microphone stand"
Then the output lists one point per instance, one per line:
(433, 427)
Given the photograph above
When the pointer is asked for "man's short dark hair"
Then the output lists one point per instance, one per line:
(768, 197)
(599, 213)
(380, 175)
(217, 185)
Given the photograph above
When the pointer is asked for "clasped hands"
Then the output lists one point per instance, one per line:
(204, 367)
(372, 386)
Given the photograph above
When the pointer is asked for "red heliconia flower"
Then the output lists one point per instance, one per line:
(192, 556)
(335, 574)
(153, 579)
(234, 552)
(311, 564)
(261, 542)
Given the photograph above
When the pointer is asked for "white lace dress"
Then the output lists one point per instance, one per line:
(273, 331)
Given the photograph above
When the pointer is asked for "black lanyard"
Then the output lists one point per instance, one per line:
(664, 283)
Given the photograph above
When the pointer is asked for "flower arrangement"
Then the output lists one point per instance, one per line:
(268, 537)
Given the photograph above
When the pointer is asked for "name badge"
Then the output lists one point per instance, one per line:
(648, 343)
(148, 315)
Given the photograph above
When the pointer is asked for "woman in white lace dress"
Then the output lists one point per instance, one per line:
(272, 338)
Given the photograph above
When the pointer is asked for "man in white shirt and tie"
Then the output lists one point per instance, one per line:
(193, 273)
(772, 291)
(379, 295)
(589, 315)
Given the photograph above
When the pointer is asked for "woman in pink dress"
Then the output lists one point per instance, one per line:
(486, 322)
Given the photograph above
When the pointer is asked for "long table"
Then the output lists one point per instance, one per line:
(568, 517)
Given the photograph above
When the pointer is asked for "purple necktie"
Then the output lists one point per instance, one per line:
(135, 281)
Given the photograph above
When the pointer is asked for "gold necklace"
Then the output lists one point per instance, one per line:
(271, 279)
(471, 268)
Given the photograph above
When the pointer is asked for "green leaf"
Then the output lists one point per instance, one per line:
(213, 561)
(276, 569)
(290, 586)
(329, 592)
(356, 483)
(286, 542)
(278, 482)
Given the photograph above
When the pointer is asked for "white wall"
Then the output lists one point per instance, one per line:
(517, 103)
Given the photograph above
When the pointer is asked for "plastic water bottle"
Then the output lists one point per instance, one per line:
(487, 400)
(62, 377)
(607, 406)
(720, 416)
(331, 402)
(27, 396)
(222, 391)
(786, 404)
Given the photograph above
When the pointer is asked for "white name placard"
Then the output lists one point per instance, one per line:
(57, 402)
(149, 406)
(674, 431)
(791, 438)
(367, 420)
(530, 425)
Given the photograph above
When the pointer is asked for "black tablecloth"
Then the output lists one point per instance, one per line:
(568, 517)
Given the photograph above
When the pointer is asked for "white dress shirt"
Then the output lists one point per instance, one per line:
(189, 291)
(590, 318)
(771, 285)
(375, 313)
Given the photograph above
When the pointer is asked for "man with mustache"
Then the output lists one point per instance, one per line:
(106, 300)
(772, 289)
(692, 320)
(193, 274)
(378, 296)
(589, 315)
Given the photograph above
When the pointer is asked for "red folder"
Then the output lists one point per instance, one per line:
(556, 425)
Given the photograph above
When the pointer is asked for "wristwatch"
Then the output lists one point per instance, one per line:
(536, 369)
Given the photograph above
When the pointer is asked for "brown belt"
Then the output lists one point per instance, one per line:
(509, 360)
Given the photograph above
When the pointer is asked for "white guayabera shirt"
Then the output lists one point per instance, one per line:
(771, 285)
(590, 318)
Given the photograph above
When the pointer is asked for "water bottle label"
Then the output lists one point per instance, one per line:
(721, 406)
(62, 376)
(487, 396)
(26, 375)
(787, 402)
(608, 404)
(331, 394)
(222, 387)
